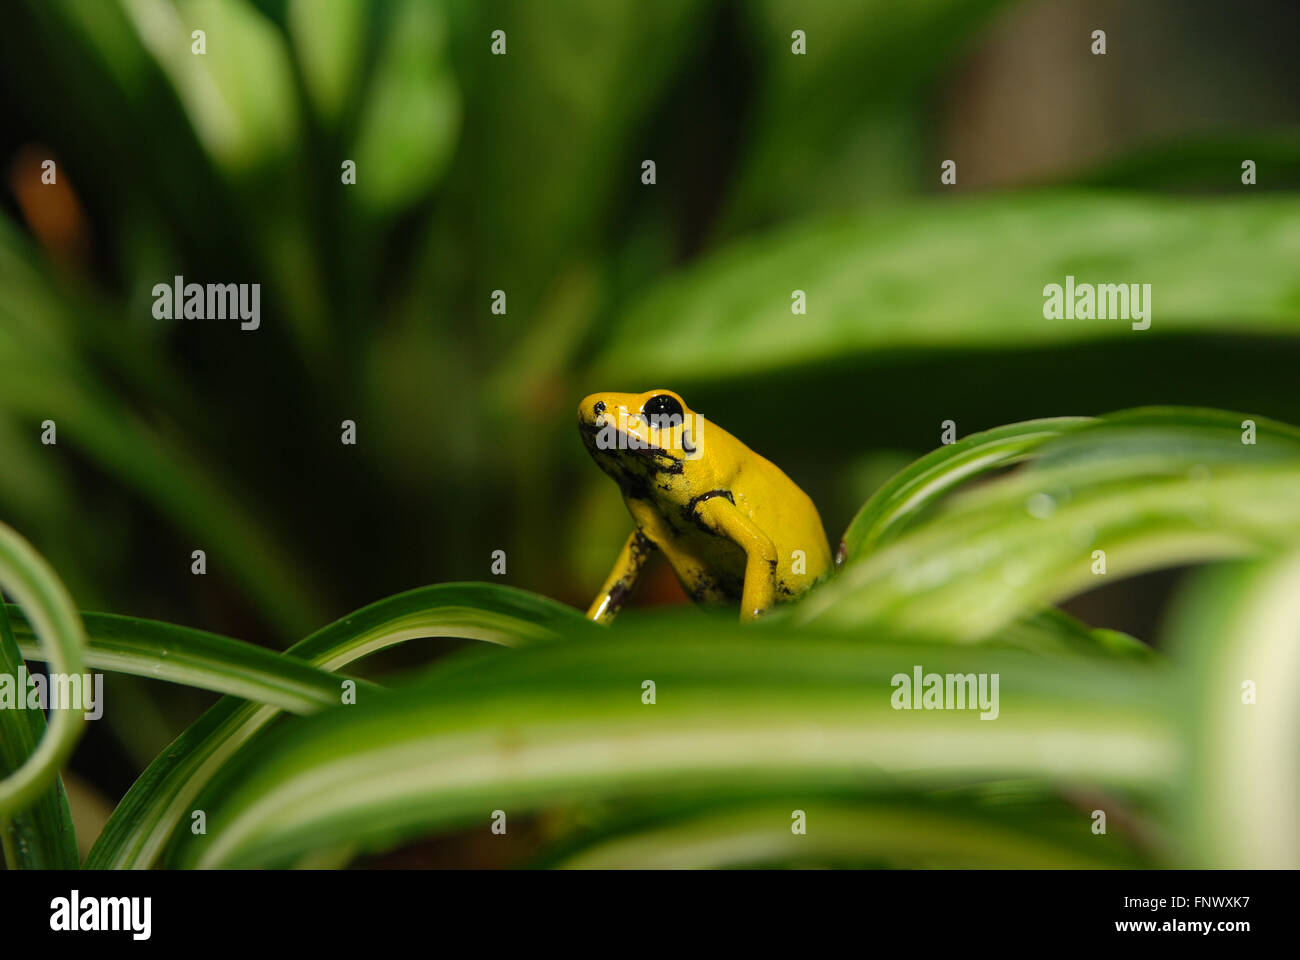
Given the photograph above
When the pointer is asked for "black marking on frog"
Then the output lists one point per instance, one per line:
(633, 485)
(781, 591)
(633, 468)
(670, 518)
(618, 594)
(642, 547)
(706, 591)
(689, 513)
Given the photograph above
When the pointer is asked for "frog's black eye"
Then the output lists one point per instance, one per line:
(663, 411)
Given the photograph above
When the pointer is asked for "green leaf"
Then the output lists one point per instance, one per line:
(42, 837)
(737, 709)
(917, 487)
(195, 658)
(143, 823)
(1056, 632)
(1235, 632)
(1028, 540)
(412, 114)
(1168, 441)
(329, 38)
(36, 588)
(905, 832)
(238, 94)
(965, 273)
(475, 611)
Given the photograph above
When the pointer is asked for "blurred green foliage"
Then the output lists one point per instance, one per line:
(521, 173)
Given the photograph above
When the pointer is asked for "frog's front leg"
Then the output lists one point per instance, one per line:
(627, 568)
(721, 516)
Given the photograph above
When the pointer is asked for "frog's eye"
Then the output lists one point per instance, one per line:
(663, 411)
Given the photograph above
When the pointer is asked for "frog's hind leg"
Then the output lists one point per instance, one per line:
(721, 516)
(618, 585)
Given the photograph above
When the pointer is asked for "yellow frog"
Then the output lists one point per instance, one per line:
(730, 523)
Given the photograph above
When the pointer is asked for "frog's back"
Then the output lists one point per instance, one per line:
(779, 507)
(712, 568)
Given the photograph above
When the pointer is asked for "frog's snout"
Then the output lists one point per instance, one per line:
(591, 409)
